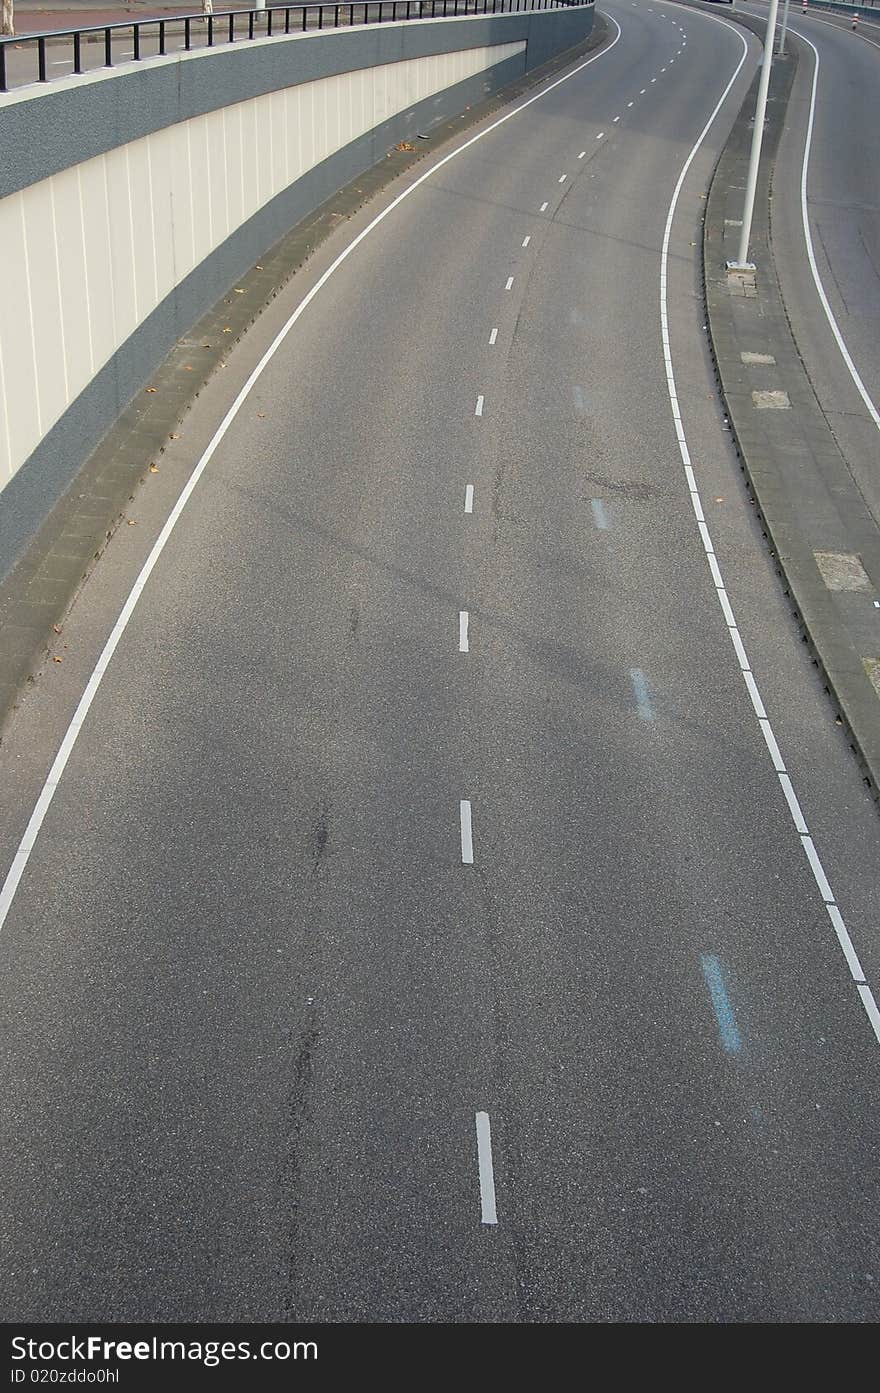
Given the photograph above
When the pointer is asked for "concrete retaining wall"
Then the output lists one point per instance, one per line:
(130, 201)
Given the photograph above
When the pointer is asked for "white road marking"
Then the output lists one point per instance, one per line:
(509, 282)
(65, 749)
(653, 79)
(581, 155)
(562, 178)
(643, 91)
(526, 241)
(865, 994)
(463, 631)
(478, 409)
(600, 135)
(469, 498)
(543, 208)
(615, 118)
(642, 693)
(488, 1211)
(600, 517)
(467, 840)
(493, 336)
(629, 103)
(811, 256)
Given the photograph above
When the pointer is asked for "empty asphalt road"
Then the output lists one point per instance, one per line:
(439, 916)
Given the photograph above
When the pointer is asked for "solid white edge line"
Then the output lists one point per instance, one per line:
(35, 822)
(811, 256)
(467, 836)
(488, 1211)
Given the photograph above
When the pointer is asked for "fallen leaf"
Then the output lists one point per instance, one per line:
(132, 522)
(239, 292)
(154, 469)
(258, 268)
(719, 500)
(262, 415)
(152, 389)
(57, 628)
(187, 368)
(174, 437)
(227, 330)
(56, 658)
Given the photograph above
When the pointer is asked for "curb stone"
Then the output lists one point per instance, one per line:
(805, 495)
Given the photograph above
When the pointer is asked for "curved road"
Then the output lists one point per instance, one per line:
(423, 817)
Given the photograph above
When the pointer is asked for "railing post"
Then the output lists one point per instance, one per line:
(41, 59)
(108, 50)
(210, 31)
(186, 35)
(2, 67)
(161, 38)
(136, 42)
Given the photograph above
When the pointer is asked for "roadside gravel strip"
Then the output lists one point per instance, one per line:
(825, 542)
(44, 581)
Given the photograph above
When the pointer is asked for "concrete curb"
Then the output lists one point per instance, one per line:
(804, 493)
(43, 585)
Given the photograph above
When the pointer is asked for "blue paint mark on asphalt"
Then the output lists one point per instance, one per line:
(721, 1002)
(642, 693)
(599, 515)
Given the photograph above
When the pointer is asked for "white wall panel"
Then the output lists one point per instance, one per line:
(90, 252)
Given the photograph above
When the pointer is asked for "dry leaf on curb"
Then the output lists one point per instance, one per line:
(56, 659)
(174, 437)
(154, 469)
(227, 330)
(152, 389)
(132, 522)
(258, 268)
(239, 292)
(262, 415)
(187, 368)
(404, 145)
(56, 628)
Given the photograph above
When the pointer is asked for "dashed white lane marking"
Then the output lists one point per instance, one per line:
(600, 517)
(493, 336)
(509, 282)
(615, 118)
(865, 994)
(478, 409)
(488, 1211)
(642, 693)
(643, 91)
(526, 241)
(71, 735)
(663, 70)
(600, 135)
(467, 839)
(653, 79)
(543, 208)
(469, 498)
(581, 155)
(562, 178)
(629, 103)
(463, 631)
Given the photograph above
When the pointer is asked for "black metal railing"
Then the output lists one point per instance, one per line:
(149, 37)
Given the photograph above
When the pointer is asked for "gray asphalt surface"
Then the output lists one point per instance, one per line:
(843, 202)
(251, 998)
